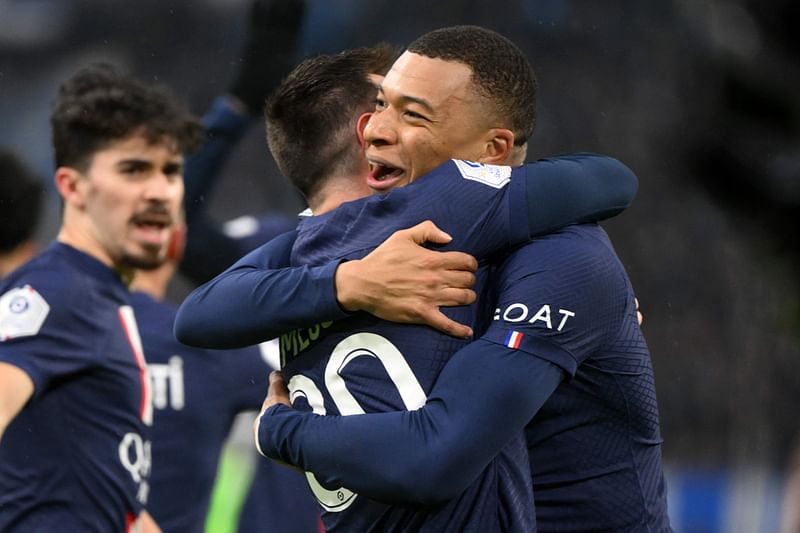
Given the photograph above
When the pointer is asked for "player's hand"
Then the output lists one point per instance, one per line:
(146, 524)
(402, 281)
(276, 393)
(268, 52)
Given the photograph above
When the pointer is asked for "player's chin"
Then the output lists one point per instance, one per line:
(145, 258)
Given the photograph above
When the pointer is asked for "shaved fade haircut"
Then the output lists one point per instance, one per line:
(501, 72)
(311, 116)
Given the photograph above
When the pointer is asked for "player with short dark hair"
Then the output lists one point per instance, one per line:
(503, 77)
(486, 192)
(74, 397)
(561, 351)
(21, 199)
(303, 115)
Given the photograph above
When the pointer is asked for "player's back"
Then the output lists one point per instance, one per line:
(362, 365)
(595, 445)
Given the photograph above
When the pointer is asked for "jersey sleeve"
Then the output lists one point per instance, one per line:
(257, 299)
(559, 297)
(209, 250)
(43, 331)
(576, 188)
(486, 391)
(487, 209)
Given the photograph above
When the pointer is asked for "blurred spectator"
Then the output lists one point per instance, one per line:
(21, 198)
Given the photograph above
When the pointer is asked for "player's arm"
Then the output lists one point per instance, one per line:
(574, 295)
(266, 57)
(484, 396)
(16, 388)
(258, 299)
(209, 250)
(576, 188)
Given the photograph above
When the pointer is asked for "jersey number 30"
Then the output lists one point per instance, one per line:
(357, 345)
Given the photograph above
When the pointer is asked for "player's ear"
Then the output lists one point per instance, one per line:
(71, 185)
(361, 124)
(499, 146)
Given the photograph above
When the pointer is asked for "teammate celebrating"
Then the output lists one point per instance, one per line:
(74, 397)
(563, 350)
(487, 192)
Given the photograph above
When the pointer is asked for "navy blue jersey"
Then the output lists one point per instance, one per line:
(77, 457)
(196, 395)
(267, 300)
(595, 445)
(278, 501)
(483, 207)
(364, 364)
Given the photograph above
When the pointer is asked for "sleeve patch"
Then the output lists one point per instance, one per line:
(496, 176)
(22, 313)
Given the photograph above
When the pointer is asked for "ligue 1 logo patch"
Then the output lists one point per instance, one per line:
(496, 176)
(22, 313)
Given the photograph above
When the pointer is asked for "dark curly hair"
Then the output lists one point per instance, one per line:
(501, 72)
(311, 115)
(21, 199)
(100, 105)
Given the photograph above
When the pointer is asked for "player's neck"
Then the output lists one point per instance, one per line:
(338, 191)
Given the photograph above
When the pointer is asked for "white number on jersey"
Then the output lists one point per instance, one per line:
(356, 345)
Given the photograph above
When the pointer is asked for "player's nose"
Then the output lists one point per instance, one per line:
(380, 129)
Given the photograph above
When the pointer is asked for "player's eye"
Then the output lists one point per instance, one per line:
(380, 105)
(174, 170)
(133, 168)
(415, 116)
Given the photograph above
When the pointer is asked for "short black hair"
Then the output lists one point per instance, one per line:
(311, 115)
(21, 198)
(100, 105)
(501, 72)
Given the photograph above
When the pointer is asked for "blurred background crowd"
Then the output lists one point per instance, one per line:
(699, 98)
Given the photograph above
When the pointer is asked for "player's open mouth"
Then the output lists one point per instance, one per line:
(382, 176)
(152, 228)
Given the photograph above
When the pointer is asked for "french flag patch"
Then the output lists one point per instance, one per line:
(513, 339)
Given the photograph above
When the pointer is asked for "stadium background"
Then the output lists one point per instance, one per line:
(695, 96)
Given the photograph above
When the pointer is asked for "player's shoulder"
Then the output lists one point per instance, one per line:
(580, 251)
(52, 285)
(50, 276)
(576, 240)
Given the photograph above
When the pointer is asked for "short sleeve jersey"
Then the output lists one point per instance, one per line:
(196, 395)
(595, 445)
(363, 364)
(76, 457)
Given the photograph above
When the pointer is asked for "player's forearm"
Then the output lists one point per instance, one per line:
(224, 129)
(484, 397)
(576, 188)
(246, 306)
